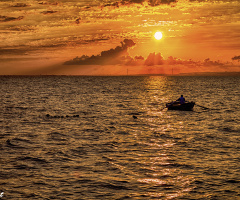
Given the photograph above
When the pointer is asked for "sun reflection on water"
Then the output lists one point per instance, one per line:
(164, 169)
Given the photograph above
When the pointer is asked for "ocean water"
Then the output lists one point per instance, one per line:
(73, 137)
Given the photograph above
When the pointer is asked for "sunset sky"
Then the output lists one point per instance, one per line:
(39, 36)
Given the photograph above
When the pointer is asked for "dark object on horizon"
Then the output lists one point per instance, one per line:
(134, 117)
(175, 105)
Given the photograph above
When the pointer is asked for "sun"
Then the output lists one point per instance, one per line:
(158, 35)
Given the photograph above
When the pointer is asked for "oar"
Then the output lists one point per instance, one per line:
(202, 106)
(163, 108)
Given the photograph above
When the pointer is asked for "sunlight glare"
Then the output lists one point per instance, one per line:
(158, 35)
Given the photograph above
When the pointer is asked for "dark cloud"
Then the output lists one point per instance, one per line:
(157, 59)
(133, 1)
(119, 56)
(8, 19)
(150, 2)
(48, 12)
(22, 28)
(130, 61)
(19, 5)
(158, 2)
(14, 51)
(177, 61)
(208, 62)
(112, 56)
(78, 20)
(154, 59)
(115, 4)
(236, 58)
(49, 3)
(139, 58)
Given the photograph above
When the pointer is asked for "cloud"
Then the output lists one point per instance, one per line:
(112, 56)
(158, 2)
(49, 3)
(154, 59)
(19, 5)
(208, 62)
(12, 51)
(149, 2)
(236, 58)
(22, 28)
(7, 19)
(120, 56)
(49, 12)
(157, 59)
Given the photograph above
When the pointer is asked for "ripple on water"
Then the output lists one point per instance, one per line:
(32, 159)
(122, 132)
(100, 151)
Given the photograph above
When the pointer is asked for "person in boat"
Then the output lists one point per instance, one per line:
(181, 100)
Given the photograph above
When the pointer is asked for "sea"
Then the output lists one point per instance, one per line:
(112, 138)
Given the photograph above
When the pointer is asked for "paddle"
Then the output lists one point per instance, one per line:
(163, 109)
(202, 106)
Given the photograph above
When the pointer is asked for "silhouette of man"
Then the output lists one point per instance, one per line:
(181, 99)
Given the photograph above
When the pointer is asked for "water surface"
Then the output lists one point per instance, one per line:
(90, 146)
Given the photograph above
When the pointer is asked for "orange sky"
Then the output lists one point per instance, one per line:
(37, 37)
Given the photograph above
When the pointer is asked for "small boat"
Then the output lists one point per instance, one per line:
(175, 105)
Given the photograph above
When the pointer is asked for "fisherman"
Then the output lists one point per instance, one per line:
(181, 100)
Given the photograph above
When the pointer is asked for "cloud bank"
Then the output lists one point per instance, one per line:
(236, 58)
(120, 56)
(150, 2)
(7, 19)
(155, 63)
(112, 56)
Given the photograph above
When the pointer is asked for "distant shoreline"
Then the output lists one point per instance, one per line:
(180, 74)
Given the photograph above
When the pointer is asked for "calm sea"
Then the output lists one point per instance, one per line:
(73, 137)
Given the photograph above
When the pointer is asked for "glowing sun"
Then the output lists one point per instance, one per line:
(158, 35)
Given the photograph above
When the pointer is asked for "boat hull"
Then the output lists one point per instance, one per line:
(177, 106)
